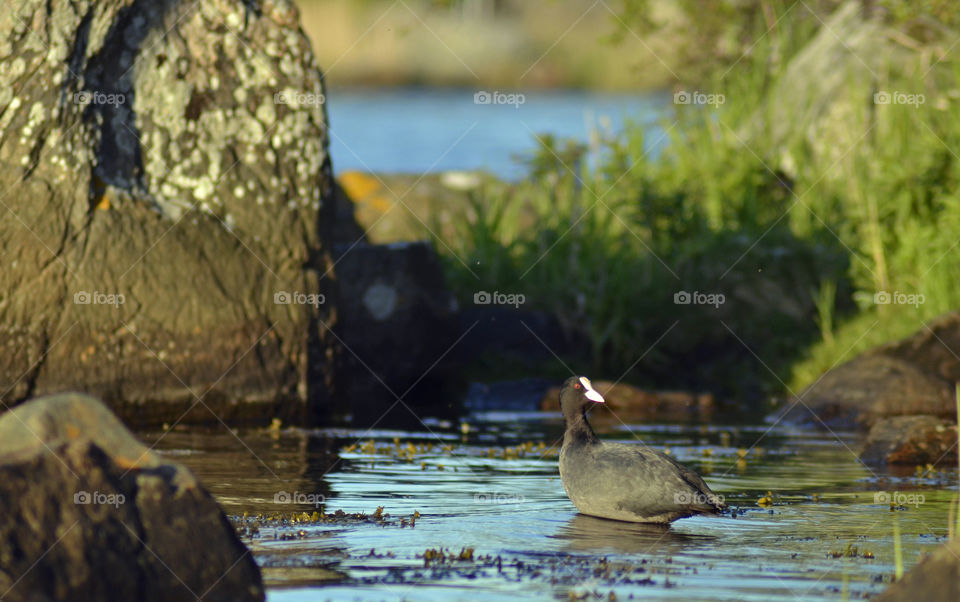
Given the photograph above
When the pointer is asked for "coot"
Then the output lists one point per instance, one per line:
(620, 481)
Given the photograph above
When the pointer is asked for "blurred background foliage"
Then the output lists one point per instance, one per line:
(799, 197)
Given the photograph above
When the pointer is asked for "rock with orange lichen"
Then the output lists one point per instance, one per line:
(911, 440)
(625, 401)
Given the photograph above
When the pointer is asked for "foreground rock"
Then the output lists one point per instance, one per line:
(911, 440)
(936, 578)
(90, 513)
(914, 376)
(166, 198)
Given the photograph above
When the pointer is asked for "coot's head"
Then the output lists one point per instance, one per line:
(577, 395)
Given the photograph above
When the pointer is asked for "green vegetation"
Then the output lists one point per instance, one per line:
(799, 214)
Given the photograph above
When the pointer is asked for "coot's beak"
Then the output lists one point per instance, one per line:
(589, 391)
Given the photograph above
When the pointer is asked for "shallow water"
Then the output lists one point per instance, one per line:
(827, 534)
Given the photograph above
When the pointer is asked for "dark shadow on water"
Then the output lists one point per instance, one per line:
(590, 534)
(256, 471)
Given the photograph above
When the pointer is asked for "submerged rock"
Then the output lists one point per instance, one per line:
(521, 395)
(936, 578)
(626, 402)
(911, 440)
(168, 196)
(91, 513)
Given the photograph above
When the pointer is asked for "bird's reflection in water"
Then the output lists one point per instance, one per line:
(590, 534)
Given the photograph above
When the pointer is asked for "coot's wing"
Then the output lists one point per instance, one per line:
(687, 474)
(650, 482)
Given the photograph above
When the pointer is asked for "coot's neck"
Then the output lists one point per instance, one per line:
(578, 429)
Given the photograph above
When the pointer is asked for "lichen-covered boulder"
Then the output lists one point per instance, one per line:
(90, 513)
(167, 191)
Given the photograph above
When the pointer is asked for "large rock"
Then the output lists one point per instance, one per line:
(936, 578)
(166, 181)
(908, 377)
(821, 93)
(932, 349)
(89, 513)
(911, 440)
(399, 328)
(856, 394)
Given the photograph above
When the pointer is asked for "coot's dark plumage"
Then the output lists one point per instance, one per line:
(620, 481)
